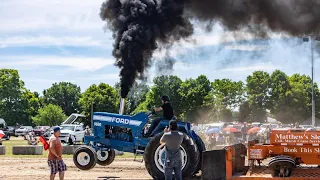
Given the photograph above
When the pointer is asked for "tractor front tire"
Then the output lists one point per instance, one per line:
(105, 158)
(156, 169)
(85, 157)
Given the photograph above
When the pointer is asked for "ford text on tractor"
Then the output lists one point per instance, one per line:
(126, 133)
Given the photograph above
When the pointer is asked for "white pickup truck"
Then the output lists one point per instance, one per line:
(70, 126)
(74, 130)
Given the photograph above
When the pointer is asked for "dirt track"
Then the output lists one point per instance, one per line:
(36, 169)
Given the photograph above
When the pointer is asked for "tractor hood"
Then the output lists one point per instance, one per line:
(117, 119)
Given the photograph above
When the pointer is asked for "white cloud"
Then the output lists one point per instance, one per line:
(201, 38)
(246, 47)
(18, 41)
(31, 15)
(181, 66)
(77, 63)
(39, 80)
(253, 67)
(210, 67)
(111, 76)
(215, 38)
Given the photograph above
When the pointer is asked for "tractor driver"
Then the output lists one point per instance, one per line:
(167, 114)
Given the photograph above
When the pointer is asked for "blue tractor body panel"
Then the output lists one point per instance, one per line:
(125, 133)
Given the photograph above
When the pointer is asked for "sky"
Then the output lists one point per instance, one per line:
(65, 40)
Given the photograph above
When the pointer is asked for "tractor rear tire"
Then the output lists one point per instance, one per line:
(89, 159)
(201, 147)
(192, 157)
(105, 158)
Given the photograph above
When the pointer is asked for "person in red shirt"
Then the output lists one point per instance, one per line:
(55, 161)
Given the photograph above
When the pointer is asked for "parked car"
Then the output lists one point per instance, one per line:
(40, 130)
(48, 133)
(306, 126)
(273, 126)
(4, 128)
(11, 130)
(72, 125)
(286, 126)
(23, 130)
(75, 130)
(256, 124)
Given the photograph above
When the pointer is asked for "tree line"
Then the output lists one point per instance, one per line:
(286, 98)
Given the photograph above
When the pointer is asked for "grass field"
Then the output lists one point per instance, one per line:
(16, 141)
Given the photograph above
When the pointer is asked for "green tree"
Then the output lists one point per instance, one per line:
(50, 115)
(258, 87)
(280, 96)
(226, 114)
(31, 104)
(194, 95)
(136, 96)
(300, 98)
(244, 112)
(163, 85)
(64, 94)
(231, 91)
(104, 98)
(214, 109)
(17, 104)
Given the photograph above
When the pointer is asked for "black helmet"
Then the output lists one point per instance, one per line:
(165, 98)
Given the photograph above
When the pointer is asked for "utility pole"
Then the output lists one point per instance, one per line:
(312, 80)
(91, 118)
(312, 39)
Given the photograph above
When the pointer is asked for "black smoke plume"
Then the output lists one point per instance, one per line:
(141, 26)
(164, 66)
(293, 17)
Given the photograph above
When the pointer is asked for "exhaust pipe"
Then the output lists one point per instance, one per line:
(122, 104)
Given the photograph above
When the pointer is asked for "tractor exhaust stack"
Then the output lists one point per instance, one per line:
(122, 104)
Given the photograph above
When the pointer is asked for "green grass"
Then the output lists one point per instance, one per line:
(127, 155)
(18, 142)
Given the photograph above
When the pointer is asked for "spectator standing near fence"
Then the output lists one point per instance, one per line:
(212, 141)
(71, 140)
(244, 130)
(268, 131)
(55, 161)
(172, 139)
(87, 131)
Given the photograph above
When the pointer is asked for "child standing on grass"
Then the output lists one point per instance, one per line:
(55, 161)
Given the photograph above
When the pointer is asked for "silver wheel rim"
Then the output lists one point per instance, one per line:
(102, 158)
(159, 157)
(83, 158)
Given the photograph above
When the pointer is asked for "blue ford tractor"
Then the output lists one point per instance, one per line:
(126, 133)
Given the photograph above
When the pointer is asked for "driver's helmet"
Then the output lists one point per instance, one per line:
(165, 98)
